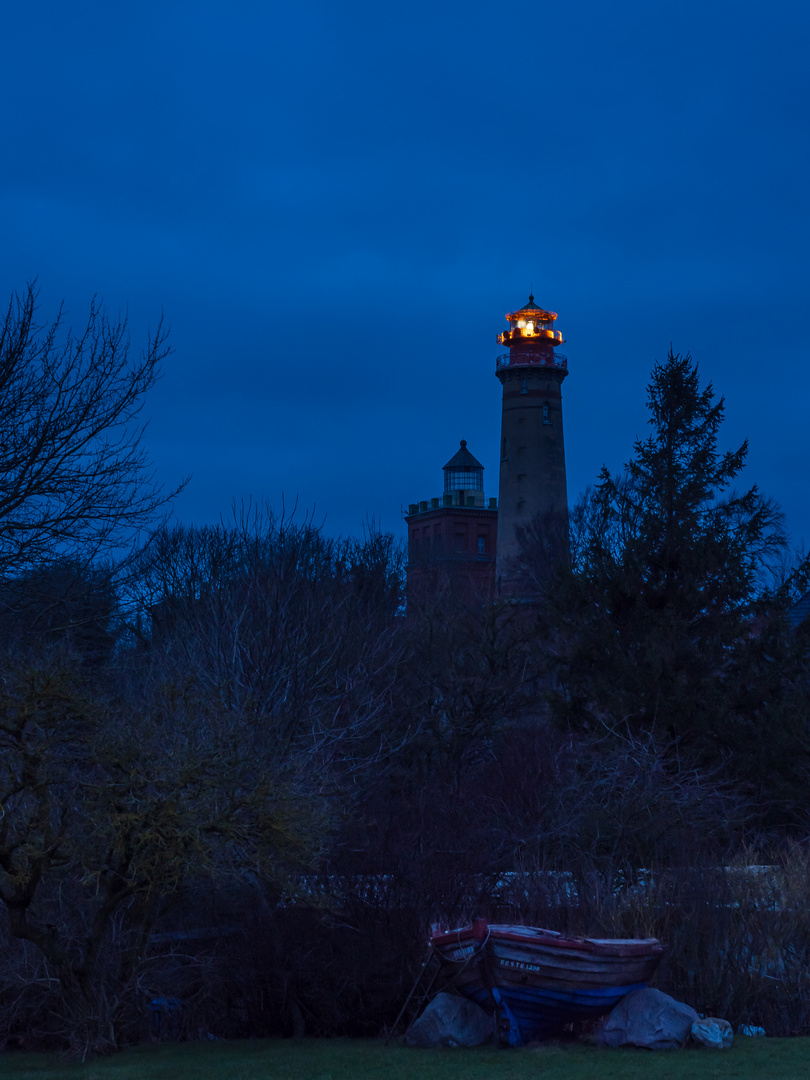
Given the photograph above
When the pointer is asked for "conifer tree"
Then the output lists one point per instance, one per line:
(671, 576)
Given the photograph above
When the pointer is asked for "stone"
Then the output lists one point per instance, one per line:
(648, 1018)
(713, 1032)
(450, 1021)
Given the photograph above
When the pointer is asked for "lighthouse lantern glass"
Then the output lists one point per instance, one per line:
(464, 479)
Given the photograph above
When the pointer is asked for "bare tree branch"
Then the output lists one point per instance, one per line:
(75, 478)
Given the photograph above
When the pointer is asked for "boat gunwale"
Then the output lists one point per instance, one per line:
(535, 936)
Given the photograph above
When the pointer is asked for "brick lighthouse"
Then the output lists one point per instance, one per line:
(452, 537)
(532, 488)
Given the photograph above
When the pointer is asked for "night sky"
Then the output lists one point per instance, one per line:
(335, 203)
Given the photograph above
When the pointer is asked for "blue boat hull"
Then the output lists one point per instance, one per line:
(537, 981)
(541, 1014)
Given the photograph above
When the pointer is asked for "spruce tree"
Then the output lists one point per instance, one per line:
(657, 626)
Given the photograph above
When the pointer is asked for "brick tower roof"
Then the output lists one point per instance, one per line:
(463, 459)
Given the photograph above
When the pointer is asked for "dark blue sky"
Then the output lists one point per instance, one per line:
(335, 203)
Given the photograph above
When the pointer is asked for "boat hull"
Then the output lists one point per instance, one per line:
(537, 981)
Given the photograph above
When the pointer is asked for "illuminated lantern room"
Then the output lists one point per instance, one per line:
(531, 338)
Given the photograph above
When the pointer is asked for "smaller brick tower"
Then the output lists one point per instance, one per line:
(532, 475)
(454, 536)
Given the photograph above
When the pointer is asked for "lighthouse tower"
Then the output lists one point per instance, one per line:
(452, 537)
(532, 474)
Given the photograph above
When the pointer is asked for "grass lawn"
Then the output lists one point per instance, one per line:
(356, 1059)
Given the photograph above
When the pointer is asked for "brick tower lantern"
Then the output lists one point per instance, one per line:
(452, 537)
(532, 474)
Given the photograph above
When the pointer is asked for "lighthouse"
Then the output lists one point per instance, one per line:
(452, 537)
(532, 489)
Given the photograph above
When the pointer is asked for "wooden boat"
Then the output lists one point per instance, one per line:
(535, 981)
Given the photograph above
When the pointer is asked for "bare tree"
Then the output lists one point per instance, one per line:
(294, 632)
(74, 474)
